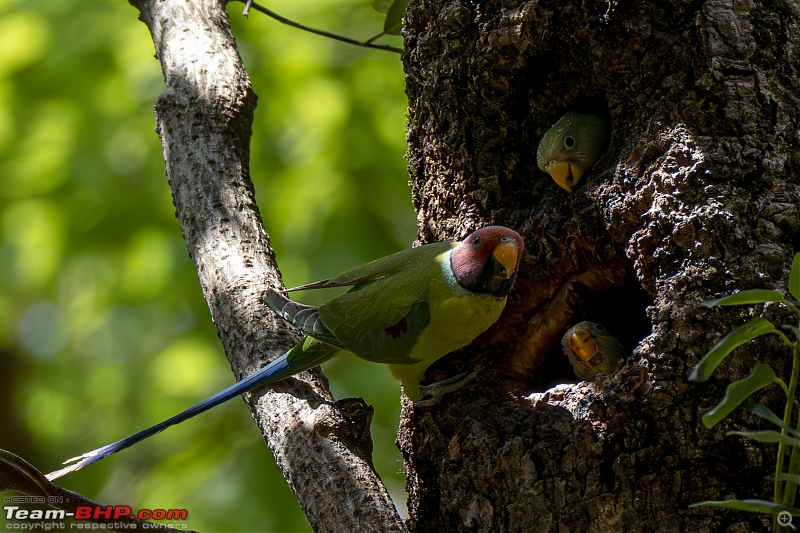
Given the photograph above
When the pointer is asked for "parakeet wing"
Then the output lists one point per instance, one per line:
(382, 322)
(403, 260)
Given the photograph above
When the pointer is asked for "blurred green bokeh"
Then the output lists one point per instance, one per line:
(103, 328)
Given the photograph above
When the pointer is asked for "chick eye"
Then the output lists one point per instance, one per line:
(569, 141)
(477, 242)
(599, 327)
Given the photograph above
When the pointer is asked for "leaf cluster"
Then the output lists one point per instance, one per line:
(787, 432)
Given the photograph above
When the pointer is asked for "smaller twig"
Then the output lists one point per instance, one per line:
(373, 38)
(280, 18)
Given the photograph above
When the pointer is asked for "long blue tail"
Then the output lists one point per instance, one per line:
(305, 355)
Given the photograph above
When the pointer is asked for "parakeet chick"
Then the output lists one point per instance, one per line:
(571, 146)
(591, 350)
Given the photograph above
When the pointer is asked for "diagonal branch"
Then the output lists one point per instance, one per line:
(335, 36)
(204, 119)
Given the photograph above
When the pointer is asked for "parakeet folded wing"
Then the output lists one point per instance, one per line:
(379, 268)
(382, 322)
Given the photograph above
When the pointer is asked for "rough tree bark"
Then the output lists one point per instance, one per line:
(204, 120)
(696, 196)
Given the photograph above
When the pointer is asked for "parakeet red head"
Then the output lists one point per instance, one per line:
(487, 260)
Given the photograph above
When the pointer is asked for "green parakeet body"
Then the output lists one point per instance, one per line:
(406, 310)
(592, 350)
(409, 309)
(571, 146)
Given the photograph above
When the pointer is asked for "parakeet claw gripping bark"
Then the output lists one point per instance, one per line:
(406, 310)
(571, 146)
(433, 393)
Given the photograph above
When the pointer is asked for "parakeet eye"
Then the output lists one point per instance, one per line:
(477, 242)
(569, 142)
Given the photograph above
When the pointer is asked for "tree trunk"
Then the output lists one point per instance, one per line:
(695, 197)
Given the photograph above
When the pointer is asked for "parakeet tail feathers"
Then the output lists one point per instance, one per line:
(316, 285)
(295, 360)
(305, 317)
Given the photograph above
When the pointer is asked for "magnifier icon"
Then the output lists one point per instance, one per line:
(785, 519)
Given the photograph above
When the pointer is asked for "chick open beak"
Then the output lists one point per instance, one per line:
(564, 173)
(582, 344)
(507, 253)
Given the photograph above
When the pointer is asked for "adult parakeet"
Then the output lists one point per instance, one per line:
(571, 146)
(406, 310)
(591, 350)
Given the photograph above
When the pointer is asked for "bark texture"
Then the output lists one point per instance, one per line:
(696, 196)
(204, 120)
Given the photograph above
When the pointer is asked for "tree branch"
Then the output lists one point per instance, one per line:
(204, 119)
(335, 36)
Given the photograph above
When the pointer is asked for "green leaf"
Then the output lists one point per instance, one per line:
(752, 296)
(752, 506)
(794, 478)
(738, 391)
(381, 6)
(769, 436)
(794, 277)
(394, 17)
(744, 333)
(767, 414)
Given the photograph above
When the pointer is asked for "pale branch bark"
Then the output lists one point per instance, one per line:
(204, 120)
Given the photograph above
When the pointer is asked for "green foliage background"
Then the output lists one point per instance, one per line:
(103, 328)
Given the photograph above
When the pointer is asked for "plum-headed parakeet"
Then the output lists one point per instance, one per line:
(592, 350)
(406, 310)
(571, 146)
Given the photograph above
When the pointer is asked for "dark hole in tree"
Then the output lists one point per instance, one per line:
(621, 310)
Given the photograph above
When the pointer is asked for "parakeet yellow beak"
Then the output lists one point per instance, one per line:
(506, 253)
(566, 174)
(583, 344)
